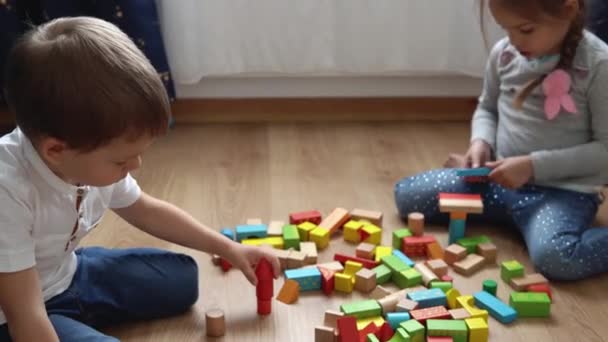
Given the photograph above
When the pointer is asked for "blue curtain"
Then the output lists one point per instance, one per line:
(137, 18)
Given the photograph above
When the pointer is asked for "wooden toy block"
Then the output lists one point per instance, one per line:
(474, 172)
(364, 322)
(336, 219)
(478, 330)
(456, 329)
(469, 265)
(416, 245)
(362, 309)
(216, 259)
(398, 236)
(344, 258)
(415, 329)
(447, 278)
(254, 221)
(438, 266)
(295, 259)
(444, 286)
(264, 287)
(468, 203)
(374, 217)
(320, 236)
(371, 338)
(436, 312)
(312, 216)
(434, 251)
(459, 313)
(415, 222)
(400, 336)
(511, 269)
(530, 304)
(452, 297)
(347, 328)
(383, 274)
(427, 275)
(489, 251)
(385, 332)
(467, 303)
(308, 278)
(226, 266)
(380, 292)
(328, 280)
(407, 278)
(396, 318)
(325, 334)
(310, 249)
(406, 305)
(490, 286)
(251, 231)
(344, 282)
(520, 284)
(215, 323)
(351, 231)
(290, 292)
(365, 250)
(304, 230)
(371, 234)
(275, 228)
(365, 280)
(282, 255)
(394, 263)
(291, 237)
(382, 251)
(497, 309)
(331, 318)
(458, 215)
(457, 230)
(370, 329)
(439, 339)
(540, 288)
(276, 242)
(352, 267)
(403, 257)
(229, 233)
(471, 243)
(428, 298)
(388, 304)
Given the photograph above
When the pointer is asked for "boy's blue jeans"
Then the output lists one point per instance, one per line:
(555, 223)
(120, 285)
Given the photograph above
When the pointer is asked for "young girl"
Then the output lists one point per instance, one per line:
(543, 115)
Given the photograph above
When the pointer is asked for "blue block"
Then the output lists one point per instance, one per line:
(309, 278)
(403, 257)
(429, 298)
(457, 230)
(478, 172)
(248, 231)
(227, 232)
(396, 318)
(499, 310)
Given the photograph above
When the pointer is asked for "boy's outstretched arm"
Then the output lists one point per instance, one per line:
(168, 222)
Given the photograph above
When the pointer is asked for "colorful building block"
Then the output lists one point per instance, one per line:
(398, 236)
(396, 318)
(468, 203)
(365, 250)
(511, 269)
(276, 242)
(531, 304)
(469, 265)
(478, 330)
(444, 286)
(364, 322)
(499, 310)
(320, 236)
(427, 275)
(489, 251)
(347, 326)
(304, 230)
(416, 245)
(351, 231)
(344, 258)
(452, 298)
(520, 284)
(400, 336)
(308, 278)
(352, 267)
(540, 288)
(371, 338)
(457, 329)
(383, 274)
(471, 243)
(312, 216)
(371, 233)
(385, 332)
(468, 303)
(439, 339)
(399, 254)
(435, 312)
(434, 251)
(290, 292)
(490, 286)
(344, 282)
(365, 280)
(227, 232)
(456, 231)
(394, 263)
(374, 217)
(416, 330)
(244, 232)
(310, 249)
(362, 309)
(370, 329)
(474, 172)
(291, 238)
(264, 288)
(454, 253)
(336, 219)
(428, 298)
(460, 314)
(328, 280)
(382, 251)
(415, 222)
(407, 278)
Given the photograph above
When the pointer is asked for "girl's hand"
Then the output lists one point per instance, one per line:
(246, 258)
(478, 154)
(512, 172)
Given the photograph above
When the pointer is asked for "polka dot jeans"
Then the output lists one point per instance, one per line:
(555, 223)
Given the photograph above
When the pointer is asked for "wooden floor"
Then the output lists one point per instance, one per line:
(226, 173)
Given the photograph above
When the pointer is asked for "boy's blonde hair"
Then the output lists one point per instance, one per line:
(83, 81)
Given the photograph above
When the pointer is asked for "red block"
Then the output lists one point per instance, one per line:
(347, 326)
(328, 280)
(385, 332)
(226, 266)
(416, 245)
(313, 216)
(264, 288)
(264, 307)
(435, 312)
(540, 288)
(445, 195)
(363, 234)
(369, 329)
(365, 262)
(439, 339)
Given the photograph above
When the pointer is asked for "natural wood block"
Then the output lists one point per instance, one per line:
(406, 305)
(374, 217)
(332, 266)
(275, 228)
(290, 292)
(296, 259)
(469, 265)
(388, 303)
(365, 250)
(438, 266)
(454, 253)
(380, 292)
(520, 284)
(365, 280)
(468, 203)
(331, 318)
(427, 275)
(254, 221)
(325, 334)
(310, 249)
(215, 323)
(489, 251)
(459, 313)
(415, 222)
(335, 220)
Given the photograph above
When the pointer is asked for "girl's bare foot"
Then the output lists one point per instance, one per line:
(455, 161)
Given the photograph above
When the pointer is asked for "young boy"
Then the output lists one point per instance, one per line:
(87, 104)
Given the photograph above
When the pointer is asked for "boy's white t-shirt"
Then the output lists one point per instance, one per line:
(38, 214)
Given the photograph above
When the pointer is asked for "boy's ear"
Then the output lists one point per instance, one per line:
(52, 150)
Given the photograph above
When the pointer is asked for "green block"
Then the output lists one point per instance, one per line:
(401, 336)
(395, 264)
(531, 304)
(511, 269)
(471, 243)
(414, 329)
(407, 278)
(443, 285)
(372, 338)
(455, 328)
(398, 236)
(291, 237)
(362, 309)
(490, 286)
(383, 274)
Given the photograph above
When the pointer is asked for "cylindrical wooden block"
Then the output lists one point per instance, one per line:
(216, 323)
(389, 303)
(415, 222)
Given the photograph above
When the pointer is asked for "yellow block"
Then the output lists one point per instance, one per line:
(320, 236)
(352, 267)
(304, 230)
(344, 282)
(467, 302)
(382, 251)
(452, 295)
(374, 232)
(478, 330)
(363, 322)
(351, 231)
(274, 241)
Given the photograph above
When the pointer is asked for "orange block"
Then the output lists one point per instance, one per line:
(434, 251)
(289, 292)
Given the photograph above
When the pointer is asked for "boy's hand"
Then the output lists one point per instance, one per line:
(478, 154)
(246, 258)
(512, 172)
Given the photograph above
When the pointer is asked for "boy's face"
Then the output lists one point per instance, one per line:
(101, 167)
